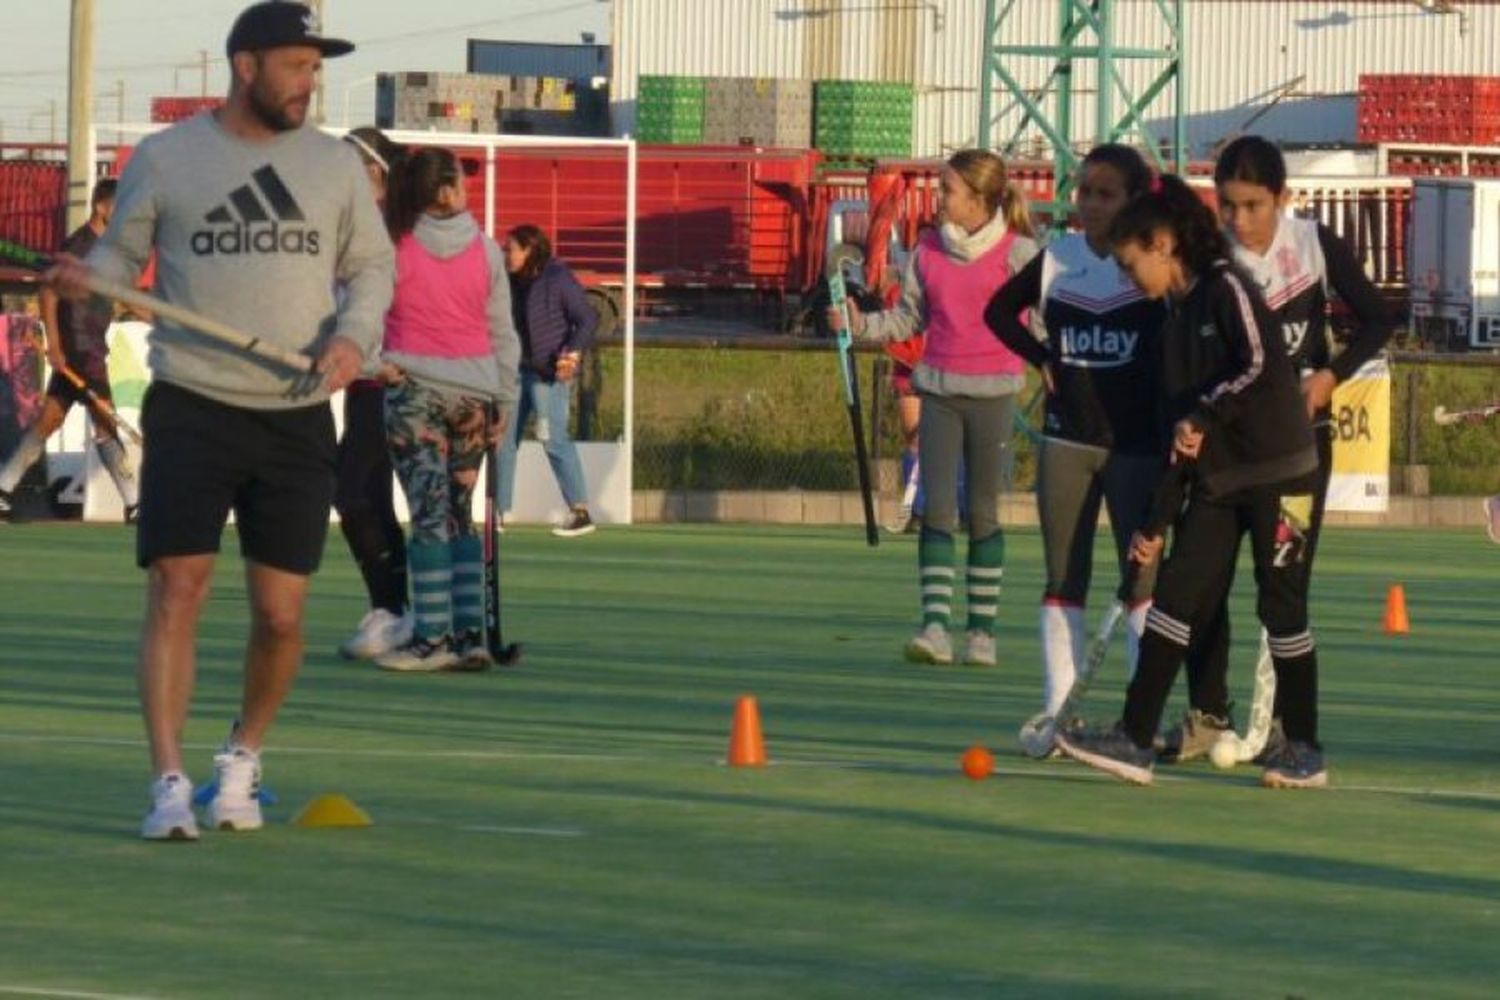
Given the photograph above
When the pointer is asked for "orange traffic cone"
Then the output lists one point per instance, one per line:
(746, 747)
(1395, 611)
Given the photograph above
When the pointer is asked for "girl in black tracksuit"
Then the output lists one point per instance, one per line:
(1237, 412)
(1296, 264)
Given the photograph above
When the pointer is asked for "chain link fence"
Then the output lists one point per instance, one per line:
(767, 413)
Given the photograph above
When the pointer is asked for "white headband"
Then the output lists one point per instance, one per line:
(369, 151)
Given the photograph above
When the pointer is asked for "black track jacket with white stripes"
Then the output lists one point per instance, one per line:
(1225, 367)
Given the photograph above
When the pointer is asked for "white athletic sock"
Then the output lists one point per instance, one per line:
(1062, 652)
(28, 451)
(117, 463)
(1135, 625)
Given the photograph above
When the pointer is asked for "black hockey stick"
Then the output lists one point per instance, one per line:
(502, 654)
(838, 299)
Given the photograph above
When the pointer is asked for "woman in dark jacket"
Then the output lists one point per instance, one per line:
(556, 325)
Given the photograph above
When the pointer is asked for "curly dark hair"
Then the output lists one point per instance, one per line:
(1170, 205)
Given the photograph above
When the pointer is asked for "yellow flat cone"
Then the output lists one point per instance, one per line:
(331, 810)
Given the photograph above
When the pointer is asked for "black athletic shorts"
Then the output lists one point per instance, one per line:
(93, 368)
(203, 458)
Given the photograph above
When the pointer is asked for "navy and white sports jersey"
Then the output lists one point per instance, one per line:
(1304, 263)
(1101, 340)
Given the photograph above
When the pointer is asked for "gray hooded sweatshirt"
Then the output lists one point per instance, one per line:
(491, 376)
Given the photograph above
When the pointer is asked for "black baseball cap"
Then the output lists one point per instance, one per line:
(279, 23)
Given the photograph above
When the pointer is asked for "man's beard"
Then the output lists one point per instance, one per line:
(273, 116)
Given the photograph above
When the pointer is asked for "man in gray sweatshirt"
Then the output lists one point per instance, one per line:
(254, 219)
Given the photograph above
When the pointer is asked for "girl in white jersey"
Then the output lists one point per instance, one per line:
(1298, 265)
(1103, 439)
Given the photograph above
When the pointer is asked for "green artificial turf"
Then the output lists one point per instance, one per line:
(568, 829)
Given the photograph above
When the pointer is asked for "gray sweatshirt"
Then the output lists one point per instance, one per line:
(255, 235)
(493, 376)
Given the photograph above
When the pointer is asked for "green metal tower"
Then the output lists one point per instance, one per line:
(1085, 33)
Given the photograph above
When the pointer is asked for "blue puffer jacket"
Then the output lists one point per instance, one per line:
(552, 316)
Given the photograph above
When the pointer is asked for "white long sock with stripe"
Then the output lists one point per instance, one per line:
(28, 451)
(1062, 652)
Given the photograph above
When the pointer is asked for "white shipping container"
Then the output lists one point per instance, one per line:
(1454, 257)
(1289, 70)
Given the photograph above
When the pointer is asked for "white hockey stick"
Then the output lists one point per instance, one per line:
(1039, 733)
(1262, 713)
(1445, 417)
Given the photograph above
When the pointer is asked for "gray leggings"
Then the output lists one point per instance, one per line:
(1072, 479)
(977, 430)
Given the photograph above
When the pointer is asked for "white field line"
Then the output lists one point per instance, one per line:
(1039, 770)
(41, 991)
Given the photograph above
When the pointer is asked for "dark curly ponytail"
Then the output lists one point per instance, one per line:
(1171, 205)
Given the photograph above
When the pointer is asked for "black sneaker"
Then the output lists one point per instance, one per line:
(1275, 745)
(578, 523)
(1299, 765)
(473, 655)
(132, 513)
(1110, 750)
(7, 506)
(1193, 737)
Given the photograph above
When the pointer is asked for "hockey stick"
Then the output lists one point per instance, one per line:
(1444, 417)
(211, 328)
(101, 405)
(838, 298)
(502, 654)
(1262, 707)
(1039, 733)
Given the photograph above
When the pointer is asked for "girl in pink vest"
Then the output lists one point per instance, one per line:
(967, 381)
(450, 357)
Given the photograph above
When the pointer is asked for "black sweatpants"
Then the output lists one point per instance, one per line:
(1208, 670)
(365, 501)
(1191, 588)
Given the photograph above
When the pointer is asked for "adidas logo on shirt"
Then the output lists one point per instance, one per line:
(260, 217)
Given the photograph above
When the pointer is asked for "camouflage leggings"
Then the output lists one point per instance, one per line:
(438, 443)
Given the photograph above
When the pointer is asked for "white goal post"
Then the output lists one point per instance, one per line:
(608, 465)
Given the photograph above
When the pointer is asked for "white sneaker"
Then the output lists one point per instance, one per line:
(979, 648)
(931, 645)
(379, 631)
(237, 806)
(419, 656)
(171, 815)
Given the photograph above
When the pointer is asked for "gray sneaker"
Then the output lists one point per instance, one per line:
(1193, 737)
(1275, 745)
(931, 645)
(979, 648)
(1110, 750)
(1299, 765)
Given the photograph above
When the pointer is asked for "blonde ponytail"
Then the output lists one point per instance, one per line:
(1016, 211)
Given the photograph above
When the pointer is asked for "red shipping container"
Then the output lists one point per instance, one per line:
(165, 110)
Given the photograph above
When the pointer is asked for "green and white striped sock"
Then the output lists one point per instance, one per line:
(432, 587)
(468, 583)
(935, 560)
(986, 567)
